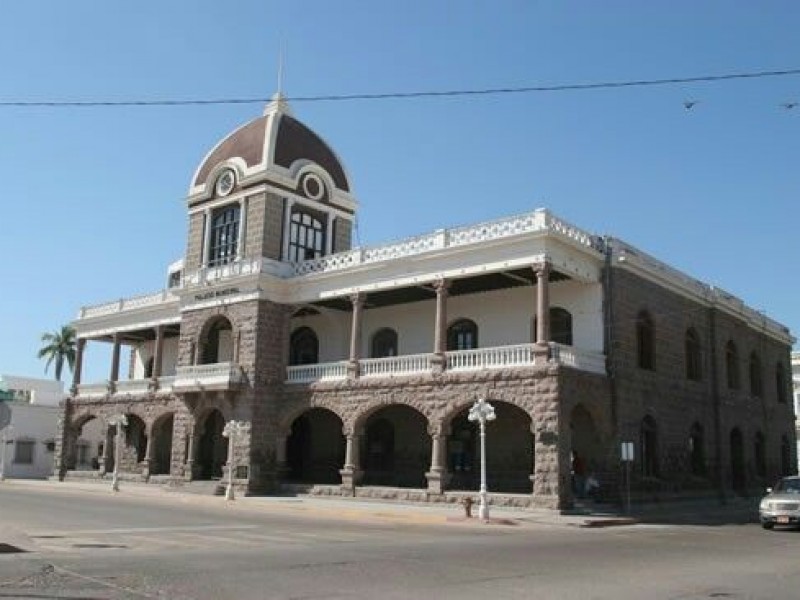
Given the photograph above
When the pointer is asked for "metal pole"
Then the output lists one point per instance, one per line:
(483, 509)
(231, 434)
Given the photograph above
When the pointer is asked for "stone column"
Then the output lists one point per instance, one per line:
(551, 472)
(542, 309)
(108, 446)
(351, 472)
(438, 361)
(436, 476)
(241, 242)
(114, 375)
(355, 334)
(80, 345)
(206, 238)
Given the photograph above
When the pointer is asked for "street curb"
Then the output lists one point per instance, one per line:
(610, 522)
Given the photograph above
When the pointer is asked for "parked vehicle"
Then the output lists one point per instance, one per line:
(781, 505)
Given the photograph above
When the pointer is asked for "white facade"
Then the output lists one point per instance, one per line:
(30, 439)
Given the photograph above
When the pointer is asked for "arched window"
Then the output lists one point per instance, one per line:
(306, 237)
(561, 326)
(697, 454)
(648, 447)
(462, 335)
(384, 343)
(760, 455)
(218, 344)
(732, 365)
(303, 347)
(780, 383)
(694, 364)
(224, 235)
(645, 342)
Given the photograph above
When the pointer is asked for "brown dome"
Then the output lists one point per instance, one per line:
(293, 141)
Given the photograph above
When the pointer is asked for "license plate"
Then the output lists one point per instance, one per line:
(782, 519)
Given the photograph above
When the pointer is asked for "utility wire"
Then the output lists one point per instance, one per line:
(408, 95)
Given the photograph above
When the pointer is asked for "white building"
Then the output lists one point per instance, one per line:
(30, 439)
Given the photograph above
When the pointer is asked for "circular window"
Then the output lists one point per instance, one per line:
(225, 182)
(313, 187)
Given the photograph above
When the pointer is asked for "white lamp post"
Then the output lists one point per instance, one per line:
(232, 429)
(481, 412)
(6, 431)
(120, 422)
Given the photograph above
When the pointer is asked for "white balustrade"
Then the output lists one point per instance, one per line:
(395, 365)
(212, 274)
(539, 220)
(316, 372)
(126, 304)
(93, 390)
(519, 355)
(166, 383)
(490, 358)
(218, 376)
(133, 387)
(584, 360)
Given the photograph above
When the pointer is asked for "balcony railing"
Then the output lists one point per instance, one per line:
(93, 390)
(316, 372)
(395, 365)
(216, 376)
(133, 387)
(498, 357)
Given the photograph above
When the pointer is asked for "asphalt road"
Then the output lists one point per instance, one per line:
(90, 545)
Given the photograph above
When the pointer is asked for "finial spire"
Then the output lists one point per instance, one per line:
(278, 102)
(280, 69)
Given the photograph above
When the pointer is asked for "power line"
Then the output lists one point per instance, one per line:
(406, 95)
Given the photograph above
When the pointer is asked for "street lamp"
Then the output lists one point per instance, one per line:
(120, 422)
(481, 412)
(232, 429)
(5, 442)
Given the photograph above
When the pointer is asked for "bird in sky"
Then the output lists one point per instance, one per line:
(689, 104)
(789, 105)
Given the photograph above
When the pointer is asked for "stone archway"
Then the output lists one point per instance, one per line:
(586, 450)
(212, 450)
(134, 448)
(396, 447)
(315, 447)
(161, 458)
(509, 451)
(89, 440)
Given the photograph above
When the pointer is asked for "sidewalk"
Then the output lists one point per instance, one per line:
(354, 509)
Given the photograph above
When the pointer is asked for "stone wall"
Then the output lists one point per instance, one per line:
(674, 401)
(342, 239)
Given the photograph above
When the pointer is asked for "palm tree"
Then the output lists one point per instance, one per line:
(58, 347)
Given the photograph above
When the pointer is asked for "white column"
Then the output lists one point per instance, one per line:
(206, 237)
(241, 243)
(329, 235)
(287, 219)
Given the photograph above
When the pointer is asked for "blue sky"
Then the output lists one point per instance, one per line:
(91, 197)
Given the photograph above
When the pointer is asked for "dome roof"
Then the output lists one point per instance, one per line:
(274, 142)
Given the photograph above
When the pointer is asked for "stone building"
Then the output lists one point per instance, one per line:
(355, 367)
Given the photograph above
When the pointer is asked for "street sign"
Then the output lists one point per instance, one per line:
(627, 451)
(5, 415)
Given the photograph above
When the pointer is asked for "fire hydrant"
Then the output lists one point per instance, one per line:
(467, 502)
